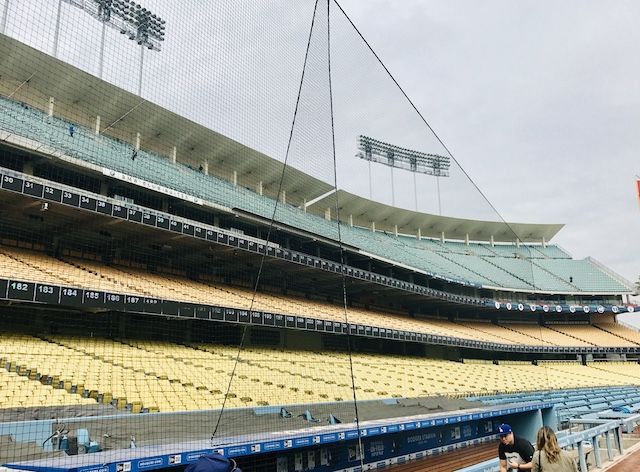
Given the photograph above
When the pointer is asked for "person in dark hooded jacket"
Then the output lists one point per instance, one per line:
(213, 462)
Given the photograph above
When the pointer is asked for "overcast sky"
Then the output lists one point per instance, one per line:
(537, 101)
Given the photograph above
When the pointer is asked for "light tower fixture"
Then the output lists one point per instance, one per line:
(373, 150)
(131, 19)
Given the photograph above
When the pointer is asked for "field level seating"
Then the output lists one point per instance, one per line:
(151, 376)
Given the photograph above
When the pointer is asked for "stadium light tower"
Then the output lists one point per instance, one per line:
(417, 162)
(126, 16)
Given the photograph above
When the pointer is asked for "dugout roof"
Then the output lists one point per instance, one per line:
(79, 97)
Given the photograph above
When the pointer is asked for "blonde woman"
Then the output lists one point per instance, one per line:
(549, 457)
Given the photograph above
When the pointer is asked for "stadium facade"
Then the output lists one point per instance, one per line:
(152, 297)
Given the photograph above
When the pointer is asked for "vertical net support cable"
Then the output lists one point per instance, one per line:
(360, 446)
(523, 256)
(421, 117)
(271, 224)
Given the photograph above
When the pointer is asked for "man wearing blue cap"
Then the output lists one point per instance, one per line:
(515, 453)
(213, 462)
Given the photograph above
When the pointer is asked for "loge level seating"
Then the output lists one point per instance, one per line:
(73, 271)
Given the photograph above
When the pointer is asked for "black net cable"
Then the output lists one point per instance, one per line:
(448, 152)
(199, 267)
(415, 108)
(26, 81)
(122, 117)
(271, 221)
(340, 242)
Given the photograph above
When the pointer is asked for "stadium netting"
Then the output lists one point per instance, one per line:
(225, 221)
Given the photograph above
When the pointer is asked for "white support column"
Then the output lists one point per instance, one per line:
(261, 188)
(141, 68)
(56, 33)
(442, 237)
(235, 177)
(466, 239)
(304, 205)
(51, 103)
(373, 226)
(327, 214)
(419, 234)
(137, 140)
(370, 186)
(5, 13)
(283, 196)
(205, 167)
(97, 129)
(395, 230)
(174, 154)
(415, 190)
(517, 242)
(439, 199)
(544, 242)
(491, 242)
(393, 192)
(351, 220)
(101, 56)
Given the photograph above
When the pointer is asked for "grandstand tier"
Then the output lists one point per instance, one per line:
(181, 273)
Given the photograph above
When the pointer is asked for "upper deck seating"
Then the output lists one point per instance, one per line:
(525, 267)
